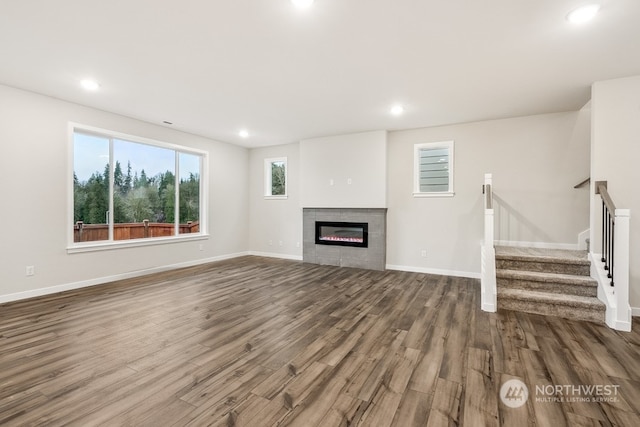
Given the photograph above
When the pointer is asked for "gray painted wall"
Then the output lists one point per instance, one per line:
(344, 171)
(35, 139)
(535, 160)
(280, 220)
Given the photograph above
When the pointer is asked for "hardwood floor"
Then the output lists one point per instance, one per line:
(261, 342)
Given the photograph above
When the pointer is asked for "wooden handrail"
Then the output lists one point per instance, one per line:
(582, 183)
(601, 189)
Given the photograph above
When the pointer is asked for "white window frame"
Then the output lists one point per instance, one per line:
(268, 187)
(99, 245)
(416, 168)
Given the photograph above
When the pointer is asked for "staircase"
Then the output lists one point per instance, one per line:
(550, 282)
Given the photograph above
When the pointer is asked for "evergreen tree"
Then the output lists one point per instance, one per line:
(143, 181)
(190, 198)
(128, 180)
(118, 179)
(97, 200)
(278, 179)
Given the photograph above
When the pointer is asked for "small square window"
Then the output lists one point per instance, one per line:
(433, 169)
(275, 178)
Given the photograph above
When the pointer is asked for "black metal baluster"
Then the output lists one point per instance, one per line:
(603, 259)
(613, 236)
(608, 242)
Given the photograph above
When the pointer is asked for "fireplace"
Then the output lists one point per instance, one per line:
(354, 234)
(345, 237)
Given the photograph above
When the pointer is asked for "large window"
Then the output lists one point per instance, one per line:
(433, 169)
(275, 178)
(127, 188)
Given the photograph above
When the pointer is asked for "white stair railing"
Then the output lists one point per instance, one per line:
(612, 270)
(487, 251)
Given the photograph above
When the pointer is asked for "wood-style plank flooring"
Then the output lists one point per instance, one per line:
(262, 342)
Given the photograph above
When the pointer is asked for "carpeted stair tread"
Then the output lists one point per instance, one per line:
(550, 282)
(543, 258)
(549, 298)
(515, 251)
(537, 276)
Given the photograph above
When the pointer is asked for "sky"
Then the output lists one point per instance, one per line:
(91, 154)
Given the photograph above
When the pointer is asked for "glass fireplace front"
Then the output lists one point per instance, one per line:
(342, 233)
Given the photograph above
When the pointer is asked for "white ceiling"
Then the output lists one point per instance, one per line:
(214, 67)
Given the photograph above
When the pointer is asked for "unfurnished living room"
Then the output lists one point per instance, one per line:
(320, 213)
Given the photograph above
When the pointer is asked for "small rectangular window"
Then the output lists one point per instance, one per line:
(275, 178)
(433, 169)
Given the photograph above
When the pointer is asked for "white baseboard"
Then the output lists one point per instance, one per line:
(468, 274)
(635, 311)
(614, 318)
(276, 255)
(541, 245)
(107, 279)
(582, 239)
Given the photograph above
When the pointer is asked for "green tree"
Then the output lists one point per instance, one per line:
(137, 205)
(79, 199)
(128, 180)
(278, 176)
(190, 198)
(97, 200)
(169, 201)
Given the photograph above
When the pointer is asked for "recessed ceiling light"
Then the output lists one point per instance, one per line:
(302, 4)
(89, 84)
(396, 110)
(583, 14)
(244, 134)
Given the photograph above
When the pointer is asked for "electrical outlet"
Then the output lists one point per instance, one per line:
(349, 181)
(423, 253)
(201, 247)
(279, 242)
(31, 270)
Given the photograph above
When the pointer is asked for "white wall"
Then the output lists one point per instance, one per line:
(616, 159)
(275, 224)
(535, 162)
(344, 171)
(33, 169)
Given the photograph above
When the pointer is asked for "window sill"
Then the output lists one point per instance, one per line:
(443, 194)
(276, 197)
(107, 246)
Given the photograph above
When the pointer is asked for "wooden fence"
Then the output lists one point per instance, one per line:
(131, 230)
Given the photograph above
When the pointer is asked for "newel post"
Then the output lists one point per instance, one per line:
(488, 254)
(621, 269)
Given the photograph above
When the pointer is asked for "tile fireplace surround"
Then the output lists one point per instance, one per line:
(372, 257)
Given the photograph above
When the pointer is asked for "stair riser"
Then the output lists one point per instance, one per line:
(568, 312)
(555, 288)
(543, 267)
